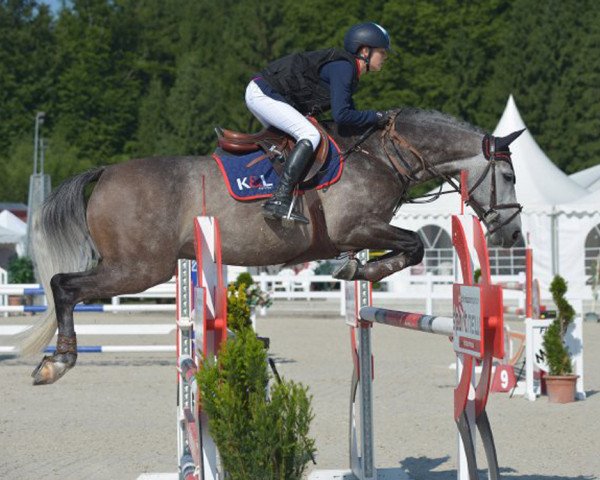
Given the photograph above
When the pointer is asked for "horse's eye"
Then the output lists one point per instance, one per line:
(509, 177)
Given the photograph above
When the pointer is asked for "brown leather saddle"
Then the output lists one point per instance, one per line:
(275, 144)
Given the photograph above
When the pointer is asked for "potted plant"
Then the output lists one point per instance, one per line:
(560, 381)
(255, 297)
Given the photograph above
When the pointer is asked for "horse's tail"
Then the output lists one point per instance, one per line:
(61, 244)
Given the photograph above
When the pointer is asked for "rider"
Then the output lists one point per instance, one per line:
(309, 83)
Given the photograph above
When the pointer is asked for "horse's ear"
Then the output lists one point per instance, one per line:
(502, 143)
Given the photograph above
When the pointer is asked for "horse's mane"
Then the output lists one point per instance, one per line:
(419, 116)
(413, 116)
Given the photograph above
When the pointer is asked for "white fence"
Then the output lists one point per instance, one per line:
(3, 281)
(305, 286)
(400, 286)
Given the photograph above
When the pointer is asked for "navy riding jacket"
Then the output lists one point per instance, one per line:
(338, 75)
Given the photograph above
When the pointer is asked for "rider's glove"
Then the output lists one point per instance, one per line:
(383, 118)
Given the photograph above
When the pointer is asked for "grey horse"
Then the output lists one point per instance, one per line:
(138, 220)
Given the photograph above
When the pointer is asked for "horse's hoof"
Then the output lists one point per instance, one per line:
(48, 371)
(347, 271)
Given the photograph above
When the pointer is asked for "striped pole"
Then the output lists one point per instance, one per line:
(512, 285)
(408, 320)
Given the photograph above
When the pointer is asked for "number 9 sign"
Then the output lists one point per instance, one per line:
(504, 379)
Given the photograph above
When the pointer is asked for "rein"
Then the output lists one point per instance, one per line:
(406, 174)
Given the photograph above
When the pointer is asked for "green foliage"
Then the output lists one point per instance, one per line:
(238, 310)
(477, 275)
(131, 78)
(244, 278)
(255, 297)
(557, 355)
(258, 439)
(20, 270)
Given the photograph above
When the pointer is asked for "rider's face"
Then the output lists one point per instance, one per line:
(378, 57)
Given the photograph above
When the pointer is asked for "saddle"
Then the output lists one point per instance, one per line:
(275, 144)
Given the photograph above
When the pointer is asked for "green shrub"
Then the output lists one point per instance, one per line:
(20, 270)
(557, 355)
(238, 310)
(255, 297)
(244, 278)
(258, 439)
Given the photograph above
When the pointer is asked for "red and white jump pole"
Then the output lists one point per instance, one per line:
(201, 330)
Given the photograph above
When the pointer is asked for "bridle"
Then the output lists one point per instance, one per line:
(491, 217)
(406, 173)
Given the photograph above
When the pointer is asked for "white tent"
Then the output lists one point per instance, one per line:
(12, 230)
(540, 187)
(8, 236)
(540, 183)
(588, 178)
(578, 225)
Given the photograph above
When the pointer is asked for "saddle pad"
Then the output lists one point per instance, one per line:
(260, 180)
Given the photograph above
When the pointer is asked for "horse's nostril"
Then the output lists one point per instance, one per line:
(516, 235)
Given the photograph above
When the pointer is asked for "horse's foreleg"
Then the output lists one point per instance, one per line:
(406, 249)
(72, 288)
(376, 269)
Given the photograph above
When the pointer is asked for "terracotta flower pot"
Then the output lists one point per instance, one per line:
(561, 388)
(15, 300)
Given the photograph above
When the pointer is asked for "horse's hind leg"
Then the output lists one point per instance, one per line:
(71, 288)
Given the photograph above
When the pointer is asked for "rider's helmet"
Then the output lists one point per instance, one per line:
(367, 34)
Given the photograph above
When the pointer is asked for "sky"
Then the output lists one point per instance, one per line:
(54, 4)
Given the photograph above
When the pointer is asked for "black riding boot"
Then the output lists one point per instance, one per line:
(278, 205)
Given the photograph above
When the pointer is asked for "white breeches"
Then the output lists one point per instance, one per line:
(281, 115)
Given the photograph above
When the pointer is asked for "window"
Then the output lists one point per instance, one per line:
(508, 261)
(592, 251)
(439, 252)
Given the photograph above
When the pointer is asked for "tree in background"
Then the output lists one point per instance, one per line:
(550, 61)
(130, 78)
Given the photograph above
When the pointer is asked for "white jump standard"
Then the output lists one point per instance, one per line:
(201, 329)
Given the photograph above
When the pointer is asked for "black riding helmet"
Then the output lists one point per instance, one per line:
(367, 34)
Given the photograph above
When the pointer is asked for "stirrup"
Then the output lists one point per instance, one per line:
(278, 210)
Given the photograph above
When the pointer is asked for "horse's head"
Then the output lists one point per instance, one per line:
(421, 145)
(491, 186)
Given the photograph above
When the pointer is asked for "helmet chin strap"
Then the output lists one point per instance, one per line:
(367, 59)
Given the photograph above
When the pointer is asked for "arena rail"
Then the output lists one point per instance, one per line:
(137, 330)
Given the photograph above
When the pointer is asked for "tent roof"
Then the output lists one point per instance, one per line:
(8, 236)
(587, 205)
(540, 184)
(12, 229)
(10, 221)
(588, 178)
(539, 181)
